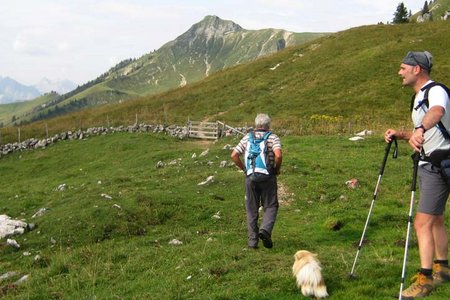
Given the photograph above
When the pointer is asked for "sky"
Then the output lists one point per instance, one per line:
(81, 39)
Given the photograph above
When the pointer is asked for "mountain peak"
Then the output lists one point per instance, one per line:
(213, 26)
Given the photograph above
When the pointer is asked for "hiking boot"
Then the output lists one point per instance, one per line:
(265, 237)
(422, 287)
(441, 273)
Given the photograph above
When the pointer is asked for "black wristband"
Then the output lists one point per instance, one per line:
(421, 126)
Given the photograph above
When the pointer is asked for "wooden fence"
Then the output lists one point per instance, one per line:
(204, 130)
(209, 130)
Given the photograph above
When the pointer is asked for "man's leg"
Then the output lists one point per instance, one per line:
(251, 208)
(424, 224)
(440, 239)
(270, 203)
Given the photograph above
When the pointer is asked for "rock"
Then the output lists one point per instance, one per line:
(364, 133)
(106, 196)
(12, 243)
(40, 212)
(61, 187)
(9, 227)
(175, 242)
(22, 279)
(356, 138)
(207, 181)
(8, 275)
(352, 183)
(204, 153)
(159, 165)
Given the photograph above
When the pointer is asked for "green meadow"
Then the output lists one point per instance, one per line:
(118, 247)
(109, 233)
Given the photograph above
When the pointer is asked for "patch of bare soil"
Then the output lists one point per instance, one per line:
(285, 197)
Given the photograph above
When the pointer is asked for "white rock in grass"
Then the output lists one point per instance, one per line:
(207, 181)
(61, 187)
(175, 242)
(40, 212)
(22, 279)
(365, 132)
(204, 153)
(8, 275)
(10, 227)
(106, 196)
(356, 138)
(216, 215)
(13, 243)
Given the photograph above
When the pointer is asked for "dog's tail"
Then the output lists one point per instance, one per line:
(321, 290)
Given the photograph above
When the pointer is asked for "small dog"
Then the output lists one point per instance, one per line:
(307, 271)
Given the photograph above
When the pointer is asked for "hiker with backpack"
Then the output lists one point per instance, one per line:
(431, 117)
(261, 150)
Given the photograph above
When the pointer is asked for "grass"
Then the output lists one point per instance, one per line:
(93, 249)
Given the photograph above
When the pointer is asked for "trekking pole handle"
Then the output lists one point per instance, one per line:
(386, 154)
(416, 158)
(394, 155)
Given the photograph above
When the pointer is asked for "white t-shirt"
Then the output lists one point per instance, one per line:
(434, 139)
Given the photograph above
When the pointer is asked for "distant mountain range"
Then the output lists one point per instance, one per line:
(60, 86)
(13, 91)
(209, 46)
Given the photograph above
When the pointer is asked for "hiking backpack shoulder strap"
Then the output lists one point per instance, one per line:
(425, 102)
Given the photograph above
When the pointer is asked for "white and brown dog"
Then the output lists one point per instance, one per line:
(307, 271)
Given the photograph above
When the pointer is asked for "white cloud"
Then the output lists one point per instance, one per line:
(81, 39)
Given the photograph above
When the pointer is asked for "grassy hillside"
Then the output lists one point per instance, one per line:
(345, 82)
(438, 9)
(7, 111)
(94, 247)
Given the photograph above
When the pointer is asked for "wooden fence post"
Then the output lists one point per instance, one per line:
(18, 134)
(46, 130)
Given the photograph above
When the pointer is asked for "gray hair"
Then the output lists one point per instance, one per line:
(262, 121)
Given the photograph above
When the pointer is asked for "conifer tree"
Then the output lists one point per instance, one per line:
(401, 14)
(425, 8)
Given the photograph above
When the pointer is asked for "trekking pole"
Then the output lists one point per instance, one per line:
(380, 174)
(415, 158)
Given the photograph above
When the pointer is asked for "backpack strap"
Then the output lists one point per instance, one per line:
(425, 102)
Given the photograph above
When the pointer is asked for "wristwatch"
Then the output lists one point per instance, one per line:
(421, 126)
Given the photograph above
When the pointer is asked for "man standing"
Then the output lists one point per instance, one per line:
(428, 139)
(261, 172)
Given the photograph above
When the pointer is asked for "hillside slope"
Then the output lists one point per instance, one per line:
(343, 82)
(211, 45)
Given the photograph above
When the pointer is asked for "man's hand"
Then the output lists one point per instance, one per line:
(416, 140)
(389, 135)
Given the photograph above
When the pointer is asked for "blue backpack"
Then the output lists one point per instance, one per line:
(256, 154)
